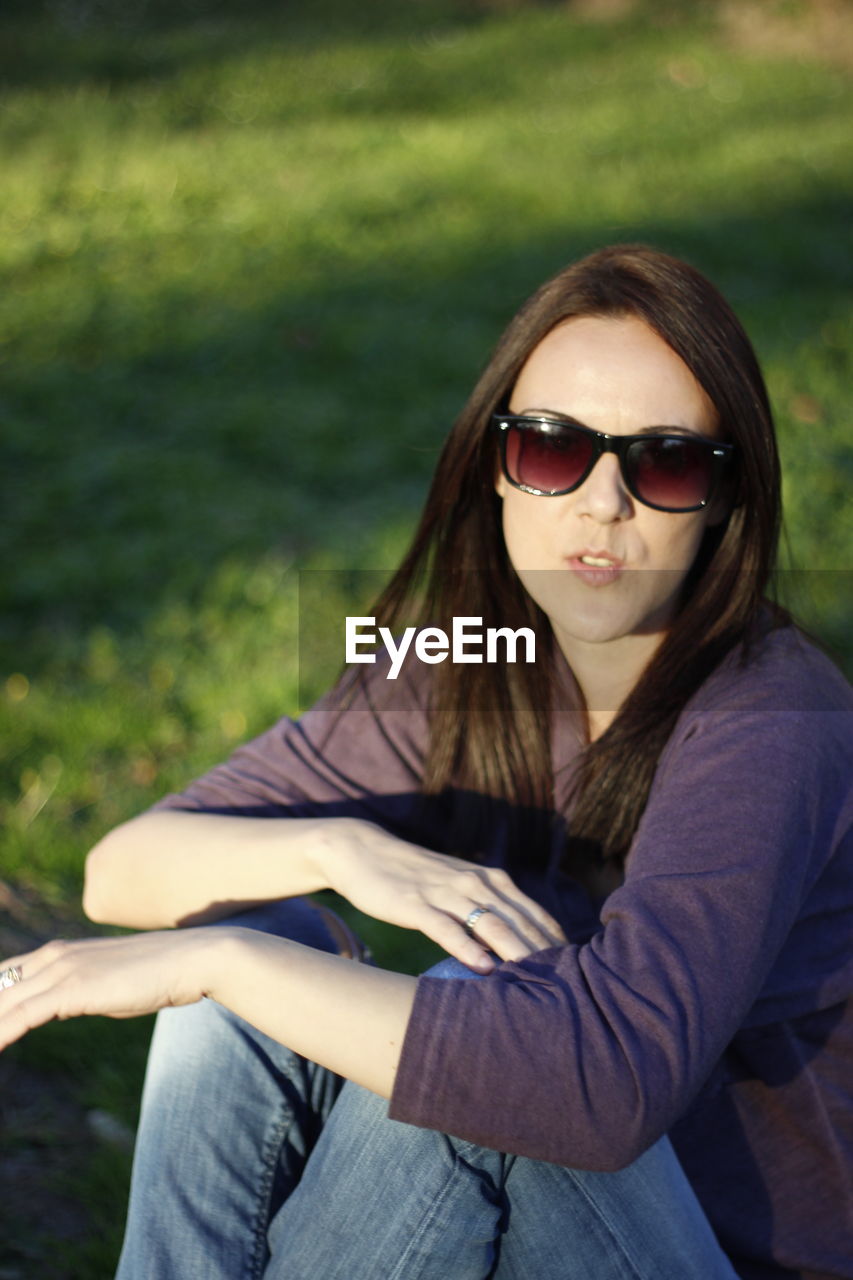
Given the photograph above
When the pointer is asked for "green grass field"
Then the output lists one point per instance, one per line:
(254, 257)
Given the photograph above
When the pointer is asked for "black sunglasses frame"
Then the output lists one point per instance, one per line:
(602, 442)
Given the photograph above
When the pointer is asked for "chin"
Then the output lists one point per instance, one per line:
(589, 630)
(607, 627)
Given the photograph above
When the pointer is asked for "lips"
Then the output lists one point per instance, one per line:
(595, 568)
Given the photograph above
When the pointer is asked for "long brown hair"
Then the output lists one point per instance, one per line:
(491, 725)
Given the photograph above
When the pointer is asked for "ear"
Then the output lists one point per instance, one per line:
(500, 483)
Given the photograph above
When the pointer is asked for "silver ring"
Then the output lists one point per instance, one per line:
(10, 976)
(472, 918)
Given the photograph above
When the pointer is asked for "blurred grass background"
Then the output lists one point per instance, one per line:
(253, 258)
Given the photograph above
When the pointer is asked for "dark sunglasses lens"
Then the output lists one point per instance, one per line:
(548, 460)
(671, 473)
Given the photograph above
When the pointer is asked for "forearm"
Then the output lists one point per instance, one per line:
(351, 1018)
(172, 867)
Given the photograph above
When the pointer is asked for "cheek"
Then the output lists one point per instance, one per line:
(685, 545)
(538, 532)
(669, 541)
(525, 529)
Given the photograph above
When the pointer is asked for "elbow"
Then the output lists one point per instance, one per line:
(105, 883)
(95, 887)
(605, 1153)
(626, 1136)
(603, 1143)
(621, 1151)
(613, 1136)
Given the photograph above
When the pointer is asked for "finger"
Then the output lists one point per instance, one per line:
(14, 962)
(492, 936)
(27, 1005)
(56, 969)
(57, 984)
(516, 934)
(9, 976)
(527, 931)
(493, 887)
(18, 1021)
(31, 963)
(519, 907)
(452, 938)
(34, 1006)
(502, 937)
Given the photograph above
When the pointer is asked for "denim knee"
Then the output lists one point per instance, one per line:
(191, 1041)
(450, 967)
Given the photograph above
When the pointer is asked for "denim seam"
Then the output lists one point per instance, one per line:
(269, 1158)
(603, 1218)
(425, 1224)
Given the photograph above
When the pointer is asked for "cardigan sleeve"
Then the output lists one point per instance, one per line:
(737, 901)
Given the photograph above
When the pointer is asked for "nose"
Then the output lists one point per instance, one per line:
(603, 495)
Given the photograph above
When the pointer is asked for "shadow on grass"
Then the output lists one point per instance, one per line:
(148, 448)
(63, 43)
(312, 424)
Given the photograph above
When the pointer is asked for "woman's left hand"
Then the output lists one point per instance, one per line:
(348, 1017)
(117, 977)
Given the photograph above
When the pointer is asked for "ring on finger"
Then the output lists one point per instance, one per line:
(10, 976)
(472, 917)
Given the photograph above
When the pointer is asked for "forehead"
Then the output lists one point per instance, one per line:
(612, 373)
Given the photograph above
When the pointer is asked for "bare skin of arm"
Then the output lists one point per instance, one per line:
(173, 868)
(349, 1017)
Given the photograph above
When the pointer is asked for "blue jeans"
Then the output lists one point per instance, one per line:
(252, 1162)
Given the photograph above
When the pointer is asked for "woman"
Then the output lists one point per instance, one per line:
(639, 845)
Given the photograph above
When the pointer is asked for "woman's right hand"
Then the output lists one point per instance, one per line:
(415, 888)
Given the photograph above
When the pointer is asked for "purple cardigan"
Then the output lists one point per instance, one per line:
(707, 998)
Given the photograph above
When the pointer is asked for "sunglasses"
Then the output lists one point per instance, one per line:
(665, 471)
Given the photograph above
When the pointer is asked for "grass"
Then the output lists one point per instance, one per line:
(252, 262)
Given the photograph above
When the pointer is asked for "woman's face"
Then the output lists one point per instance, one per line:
(599, 563)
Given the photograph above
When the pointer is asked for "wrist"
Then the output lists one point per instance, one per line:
(221, 958)
(333, 837)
